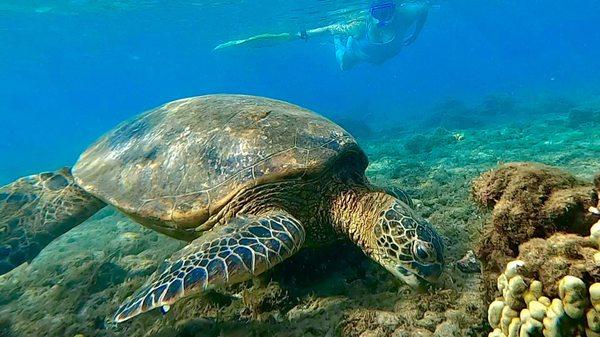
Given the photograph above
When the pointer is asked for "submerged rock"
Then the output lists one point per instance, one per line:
(556, 105)
(453, 114)
(498, 104)
(469, 263)
(552, 289)
(529, 200)
(579, 117)
(425, 143)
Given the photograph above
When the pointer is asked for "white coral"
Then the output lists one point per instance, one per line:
(572, 291)
(524, 311)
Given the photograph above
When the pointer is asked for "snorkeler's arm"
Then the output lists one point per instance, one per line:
(418, 28)
(261, 40)
(349, 28)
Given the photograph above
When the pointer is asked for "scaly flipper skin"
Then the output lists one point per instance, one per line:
(245, 247)
(36, 209)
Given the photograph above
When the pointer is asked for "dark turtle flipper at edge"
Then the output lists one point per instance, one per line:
(36, 209)
(245, 247)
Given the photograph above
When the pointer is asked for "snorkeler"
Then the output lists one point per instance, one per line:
(375, 37)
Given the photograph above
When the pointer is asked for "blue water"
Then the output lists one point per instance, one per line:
(71, 70)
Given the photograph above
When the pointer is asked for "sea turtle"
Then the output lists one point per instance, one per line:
(246, 181)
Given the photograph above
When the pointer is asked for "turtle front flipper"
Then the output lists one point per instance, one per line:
(232, 253)
(36, 209)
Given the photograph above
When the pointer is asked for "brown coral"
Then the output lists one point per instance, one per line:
(552, 289)
(558, 256)
(597, 185)
(529, 200)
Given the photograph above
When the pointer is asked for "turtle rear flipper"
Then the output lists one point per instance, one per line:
(235, 252)
(36, 209)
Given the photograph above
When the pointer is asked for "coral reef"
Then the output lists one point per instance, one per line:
(453, 114)
(319, 292)
(549, 260)
(442, 313)
(581, 117)
(328, 292)
(552, 289)
(556, 105)
(425, 143)
(497, 104)
(529, 200)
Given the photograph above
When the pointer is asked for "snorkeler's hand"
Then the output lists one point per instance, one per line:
(228, 44)
(303, 35)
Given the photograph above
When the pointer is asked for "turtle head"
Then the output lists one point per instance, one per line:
(407, 245)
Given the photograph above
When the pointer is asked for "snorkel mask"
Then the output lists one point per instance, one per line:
(383, 12)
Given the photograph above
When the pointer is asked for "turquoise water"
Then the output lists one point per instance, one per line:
(73, 69)
(486, 82)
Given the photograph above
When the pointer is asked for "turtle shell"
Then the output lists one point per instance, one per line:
(175, 165)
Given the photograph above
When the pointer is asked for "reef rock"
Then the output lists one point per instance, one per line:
(498, 104)
(553, 289)
(453, 114)
(581, 117)
(529, 200)
(425, 143)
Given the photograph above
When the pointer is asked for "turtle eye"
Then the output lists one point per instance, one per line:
(423, 252)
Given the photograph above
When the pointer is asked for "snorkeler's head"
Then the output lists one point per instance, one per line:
(383, 11)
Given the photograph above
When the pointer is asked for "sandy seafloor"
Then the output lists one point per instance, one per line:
(80, 279)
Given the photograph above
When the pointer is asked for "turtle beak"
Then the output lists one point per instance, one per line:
(421, 277)
(411, 279)
(431, 273)
(408, 277)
